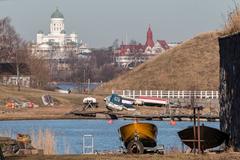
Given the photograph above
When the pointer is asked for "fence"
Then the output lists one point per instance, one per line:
(168, 94)
(12, 80)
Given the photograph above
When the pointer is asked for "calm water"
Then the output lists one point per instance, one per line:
(105, 135)
(81, 86)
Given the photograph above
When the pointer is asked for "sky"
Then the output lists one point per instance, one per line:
(100, 22)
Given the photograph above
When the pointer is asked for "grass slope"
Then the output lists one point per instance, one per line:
(172, 156)
(34, 95)
(191, 65)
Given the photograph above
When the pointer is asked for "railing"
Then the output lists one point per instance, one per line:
(88, 144)
(169, 94)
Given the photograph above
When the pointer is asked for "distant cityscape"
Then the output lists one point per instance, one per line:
(57, 46)
(67, 57)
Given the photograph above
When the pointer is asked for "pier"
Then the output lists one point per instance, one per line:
(182, 117)
(160, 117)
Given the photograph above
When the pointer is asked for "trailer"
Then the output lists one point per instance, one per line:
(159, 149)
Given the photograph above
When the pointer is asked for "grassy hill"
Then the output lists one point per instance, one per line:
(193, 65)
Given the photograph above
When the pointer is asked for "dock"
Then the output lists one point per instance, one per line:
(159, 117)
(166, 117)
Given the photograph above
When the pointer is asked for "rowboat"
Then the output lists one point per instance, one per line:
(137, 136)
(47, 100)
(209, 137)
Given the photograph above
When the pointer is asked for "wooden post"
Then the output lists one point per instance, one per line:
(199, 144)
(194, 122)
(194, 130)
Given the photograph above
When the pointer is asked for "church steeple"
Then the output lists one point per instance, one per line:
(149, 41)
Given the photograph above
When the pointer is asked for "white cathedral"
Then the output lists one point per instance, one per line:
(57, 44)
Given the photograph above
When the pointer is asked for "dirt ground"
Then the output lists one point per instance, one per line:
(65, 103)
(172, 156)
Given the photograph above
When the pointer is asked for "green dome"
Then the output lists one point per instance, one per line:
(57, 14)
(63, 32)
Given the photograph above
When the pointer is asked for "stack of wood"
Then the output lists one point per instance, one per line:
(9, 146)
(21, 146)
(230, 88)
(1, 154)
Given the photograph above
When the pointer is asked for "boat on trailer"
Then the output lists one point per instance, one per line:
(140, 137)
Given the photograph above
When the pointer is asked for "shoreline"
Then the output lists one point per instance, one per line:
(88, 118)
(170, 156)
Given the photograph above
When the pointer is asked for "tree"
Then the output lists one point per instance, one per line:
(133, 42)
(39, 71)
(12, 47)
(115, 44)
(15, 51)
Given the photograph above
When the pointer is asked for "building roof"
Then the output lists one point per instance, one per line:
(57, 14)
(138, 48)
(163, 44)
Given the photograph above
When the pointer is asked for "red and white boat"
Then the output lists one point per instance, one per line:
(152, 101)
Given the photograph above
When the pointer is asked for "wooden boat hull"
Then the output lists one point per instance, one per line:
(152, 101)
(146, 133)
(210, 137)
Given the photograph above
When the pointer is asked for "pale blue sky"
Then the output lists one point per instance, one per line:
(100, 22)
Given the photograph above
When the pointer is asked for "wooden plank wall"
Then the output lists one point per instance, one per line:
(229, 88)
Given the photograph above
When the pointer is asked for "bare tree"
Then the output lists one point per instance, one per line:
(12, 48)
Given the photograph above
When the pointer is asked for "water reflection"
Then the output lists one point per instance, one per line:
(68, 134)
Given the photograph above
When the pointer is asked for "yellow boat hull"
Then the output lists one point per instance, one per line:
(146, 133)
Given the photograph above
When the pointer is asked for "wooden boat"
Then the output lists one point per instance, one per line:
(89, 99)
(138, 135)
(152, 101)
(47, 100)
(209, 137)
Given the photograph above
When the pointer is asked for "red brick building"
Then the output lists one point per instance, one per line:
(129, 55)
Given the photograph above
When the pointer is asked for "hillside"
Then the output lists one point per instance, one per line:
(193, 65)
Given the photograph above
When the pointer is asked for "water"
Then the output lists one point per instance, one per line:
(70, 132)
(82, 86)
